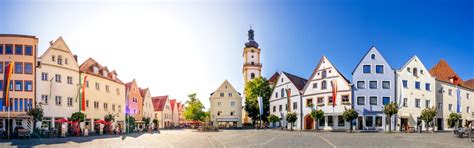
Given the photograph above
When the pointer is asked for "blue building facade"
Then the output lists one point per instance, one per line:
(374, 86)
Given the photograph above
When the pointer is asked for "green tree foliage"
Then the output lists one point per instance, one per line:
(273, 119)
(255, 88)
(390, 110)
(36, 113)
(317, 115)
(453, 119)
(155, 121)
(147, 121)
(194, 109)
(427, 115)
(78, 116)
(291, 118)
(109, 117)
(130, 122)
(349, 116)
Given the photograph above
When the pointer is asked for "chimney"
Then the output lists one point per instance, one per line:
(75, 57)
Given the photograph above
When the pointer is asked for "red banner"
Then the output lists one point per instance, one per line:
(334, 92)
(83, 99)
(6, 83)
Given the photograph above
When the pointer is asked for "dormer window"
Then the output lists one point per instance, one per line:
(372, 56)
(104, 73)
(95, 69)
(408, 69)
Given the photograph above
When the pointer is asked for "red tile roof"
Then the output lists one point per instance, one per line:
(143, 91)
(87, 67)
(274, 77)
(444, 73)
(469, 83)
(159, 102)
(172, 103)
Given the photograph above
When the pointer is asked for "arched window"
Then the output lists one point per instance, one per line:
(372, 56)
(323, 85)
(324, 74)
(415, 72)
(60, 60)
(252, 75)
(282, 92)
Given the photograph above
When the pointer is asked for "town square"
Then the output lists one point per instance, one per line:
(206, 73)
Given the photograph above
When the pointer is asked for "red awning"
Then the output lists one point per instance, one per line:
(62, 120)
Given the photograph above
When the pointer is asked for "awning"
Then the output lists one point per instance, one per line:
(227, 119)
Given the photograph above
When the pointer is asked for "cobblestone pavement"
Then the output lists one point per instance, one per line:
(252, 138)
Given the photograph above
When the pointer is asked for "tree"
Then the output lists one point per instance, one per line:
(317, 115)
(194, 109)
(36, 113)
(453, 119)
(390, 110)
(109, 117)
(427, 115)
(273, 119)
(349, 116)
(155, 121)
(78, 116)
(291, 118)
(147, 121)
(255, 88)
(130, 122)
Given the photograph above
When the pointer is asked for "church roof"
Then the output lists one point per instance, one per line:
(251, 42)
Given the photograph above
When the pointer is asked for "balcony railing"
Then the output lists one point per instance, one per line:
(252, 64)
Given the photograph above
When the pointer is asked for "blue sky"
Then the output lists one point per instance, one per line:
(179, 47)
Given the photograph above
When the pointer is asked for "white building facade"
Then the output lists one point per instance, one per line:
(226, 107)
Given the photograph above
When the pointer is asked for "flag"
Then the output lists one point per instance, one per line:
(83, 94)
(334, 92)
(458, 100)
(288, 94)
(6, 85)
(260, 105)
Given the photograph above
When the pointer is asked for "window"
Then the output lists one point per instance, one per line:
(69, 101)
(119, 108)
(58, 100)
(322, 122)
(87, 103)
(309, 102)
(276, 95)
(1, 52)
(330, 101)
(372, 56)
(417, 85)
(1, 66)
(386, 84)
(378, 121)
(219, 113)
(219, 103)
(113, 107)
(405, 83)
(8, 49)
(221, 94)
(232, 113)
(450, 107)
(323, 85)
(44, 99)
(280, 108)
(106, 106)
(324, 74)
(274, 108)
(330, 121)
(417, 103)
(18, 49)
(366, 68)
(315, 85)
(252, 76)
(18, 68)
(65, 61)
(369, 121)
(320, 101)
(450, 92)
(345, 99)
(427, 103)
(58, 78)
(282, 92)
(229, 94)
(379, 69)
(18, 85)
(468, 109)
(440, 106)
(373, 100)
(428, 86)
(373, 84)
(96, 105)
(118, 91)
(44, 76)
(361, 84)
(415, 72)
(405, 102)
(60, 60)
(340, 121)
(468, 96)
(232, 103)
(97, 86)
(53, 58)
(360, 100)
(69, 80)
(29, 50)
(1, 87)
(28, 68)
(28, 85)
(87, 84)
(295, 105)
(385, 100)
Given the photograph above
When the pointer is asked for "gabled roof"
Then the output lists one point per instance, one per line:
(225, 83)
(159, 102)
(469, 83)
(317, 67)
(86, 67)
(367, 54)
(143, 91)
(172, 103)
(443, 72)
(297, 81)
(55, 44)
(274, 77)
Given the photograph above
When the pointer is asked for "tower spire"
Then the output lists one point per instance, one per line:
(251, 38)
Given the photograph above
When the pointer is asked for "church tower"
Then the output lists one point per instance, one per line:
(252, 67)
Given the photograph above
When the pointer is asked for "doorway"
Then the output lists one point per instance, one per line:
(360, 125)
(309, 122)
(403, 123)
(440, 124)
